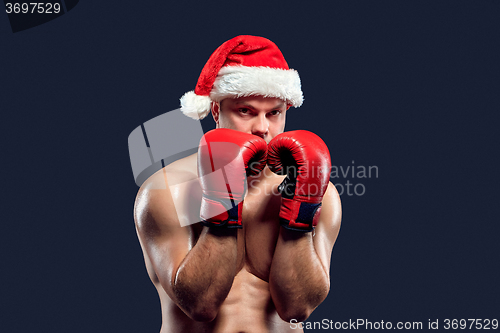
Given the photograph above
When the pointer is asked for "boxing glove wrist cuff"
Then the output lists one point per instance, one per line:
(299, 216)
(220, 213)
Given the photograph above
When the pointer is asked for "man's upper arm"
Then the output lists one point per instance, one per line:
(163, 238)
(328, 226)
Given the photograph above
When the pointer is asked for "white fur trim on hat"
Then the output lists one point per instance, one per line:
(195, 106)
(241, 81)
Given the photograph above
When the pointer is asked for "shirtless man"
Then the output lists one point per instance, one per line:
(253, 277)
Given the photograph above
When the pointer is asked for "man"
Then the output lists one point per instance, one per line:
(253, 255)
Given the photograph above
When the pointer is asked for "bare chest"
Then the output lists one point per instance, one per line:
(257, 239)
(260, 226)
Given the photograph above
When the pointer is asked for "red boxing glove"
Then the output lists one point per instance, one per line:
(305, 160)
(225, 158)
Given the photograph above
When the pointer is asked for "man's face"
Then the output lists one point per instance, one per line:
(261, 116)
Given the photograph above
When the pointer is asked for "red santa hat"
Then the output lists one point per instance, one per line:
(243, 66)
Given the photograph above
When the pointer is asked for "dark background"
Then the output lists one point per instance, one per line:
(412, 88)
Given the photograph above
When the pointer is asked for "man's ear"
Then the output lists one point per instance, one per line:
(215, 109)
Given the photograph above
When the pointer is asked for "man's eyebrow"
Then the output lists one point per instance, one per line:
(279, 105)
(246, 104)
(243, 104)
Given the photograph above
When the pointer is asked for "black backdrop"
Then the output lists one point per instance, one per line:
(409, 87)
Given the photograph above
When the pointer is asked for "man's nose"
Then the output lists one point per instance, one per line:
(260, 126)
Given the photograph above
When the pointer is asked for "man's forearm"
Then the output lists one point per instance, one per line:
(298, 281)
(205, 276)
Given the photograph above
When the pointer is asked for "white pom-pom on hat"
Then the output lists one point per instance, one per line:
(195, 106)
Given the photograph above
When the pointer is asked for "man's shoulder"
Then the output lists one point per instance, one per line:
(333, 195)
(332, 206)
(157, 196)
(182, 170)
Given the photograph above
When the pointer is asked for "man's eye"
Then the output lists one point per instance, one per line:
(275, 112)
(243, 110)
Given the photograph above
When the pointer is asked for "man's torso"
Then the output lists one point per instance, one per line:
(248, 306)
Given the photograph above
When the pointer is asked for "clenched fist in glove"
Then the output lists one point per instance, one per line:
(304, 158)
(225, 158)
